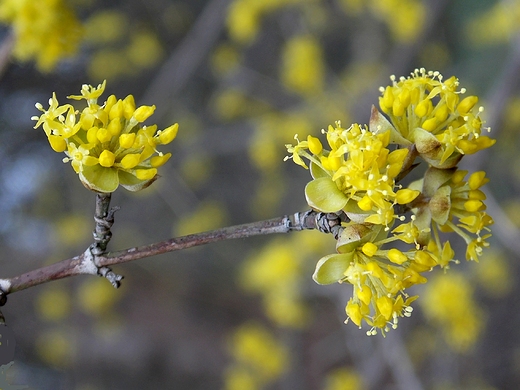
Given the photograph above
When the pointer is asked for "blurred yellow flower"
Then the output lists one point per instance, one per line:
(275, 273)
(238, 377)
(224, 59)
(96, 296)
(302, 65)
(496, 25)
(448, 301)
(45, 31)
(53, 304)
(495, 274)
(208, 215)
(55, 347)
(107, 26)
(343, 379)
(252, 346)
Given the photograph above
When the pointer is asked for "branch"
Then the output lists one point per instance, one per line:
(104, 217)
(91, 263)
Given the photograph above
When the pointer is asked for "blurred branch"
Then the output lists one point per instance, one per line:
(182, 64)
(91, 263)
(503, 88)
(6, 48)
(504, 230)
(397, 358)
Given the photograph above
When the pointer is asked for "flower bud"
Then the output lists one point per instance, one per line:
(315, 145)
(126, 140)
(369, 249)
(128, 106)
(106, 158)
(145, 174)
(168, 135)
(57, 143)
(396, 256)
(385, 306)
(130, 160)
(467, 104)
(143, 113)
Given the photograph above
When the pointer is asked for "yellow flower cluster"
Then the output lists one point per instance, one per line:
(107, 145)
(427, 111)
(45, 30)
(359, 174)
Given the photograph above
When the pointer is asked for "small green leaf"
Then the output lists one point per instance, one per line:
(331, 268)
(99, 179)
(323, 195)
(317, 171)
(355, 213)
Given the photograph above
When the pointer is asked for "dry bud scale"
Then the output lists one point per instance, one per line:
(395, 231)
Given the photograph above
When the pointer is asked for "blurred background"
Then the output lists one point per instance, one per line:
(242, 77)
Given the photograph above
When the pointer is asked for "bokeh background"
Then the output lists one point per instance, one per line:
(241, 77)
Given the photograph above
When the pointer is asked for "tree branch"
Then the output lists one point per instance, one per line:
(91, 263)
(104, 217)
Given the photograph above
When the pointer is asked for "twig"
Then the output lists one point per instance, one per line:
(89, 263)
(104, 217)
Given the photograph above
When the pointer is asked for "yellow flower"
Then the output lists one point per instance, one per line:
(379, 278)
(45, 31)
(426, 110)
(358, 175)
(455, 205)
(358, 172)
(107, 146)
